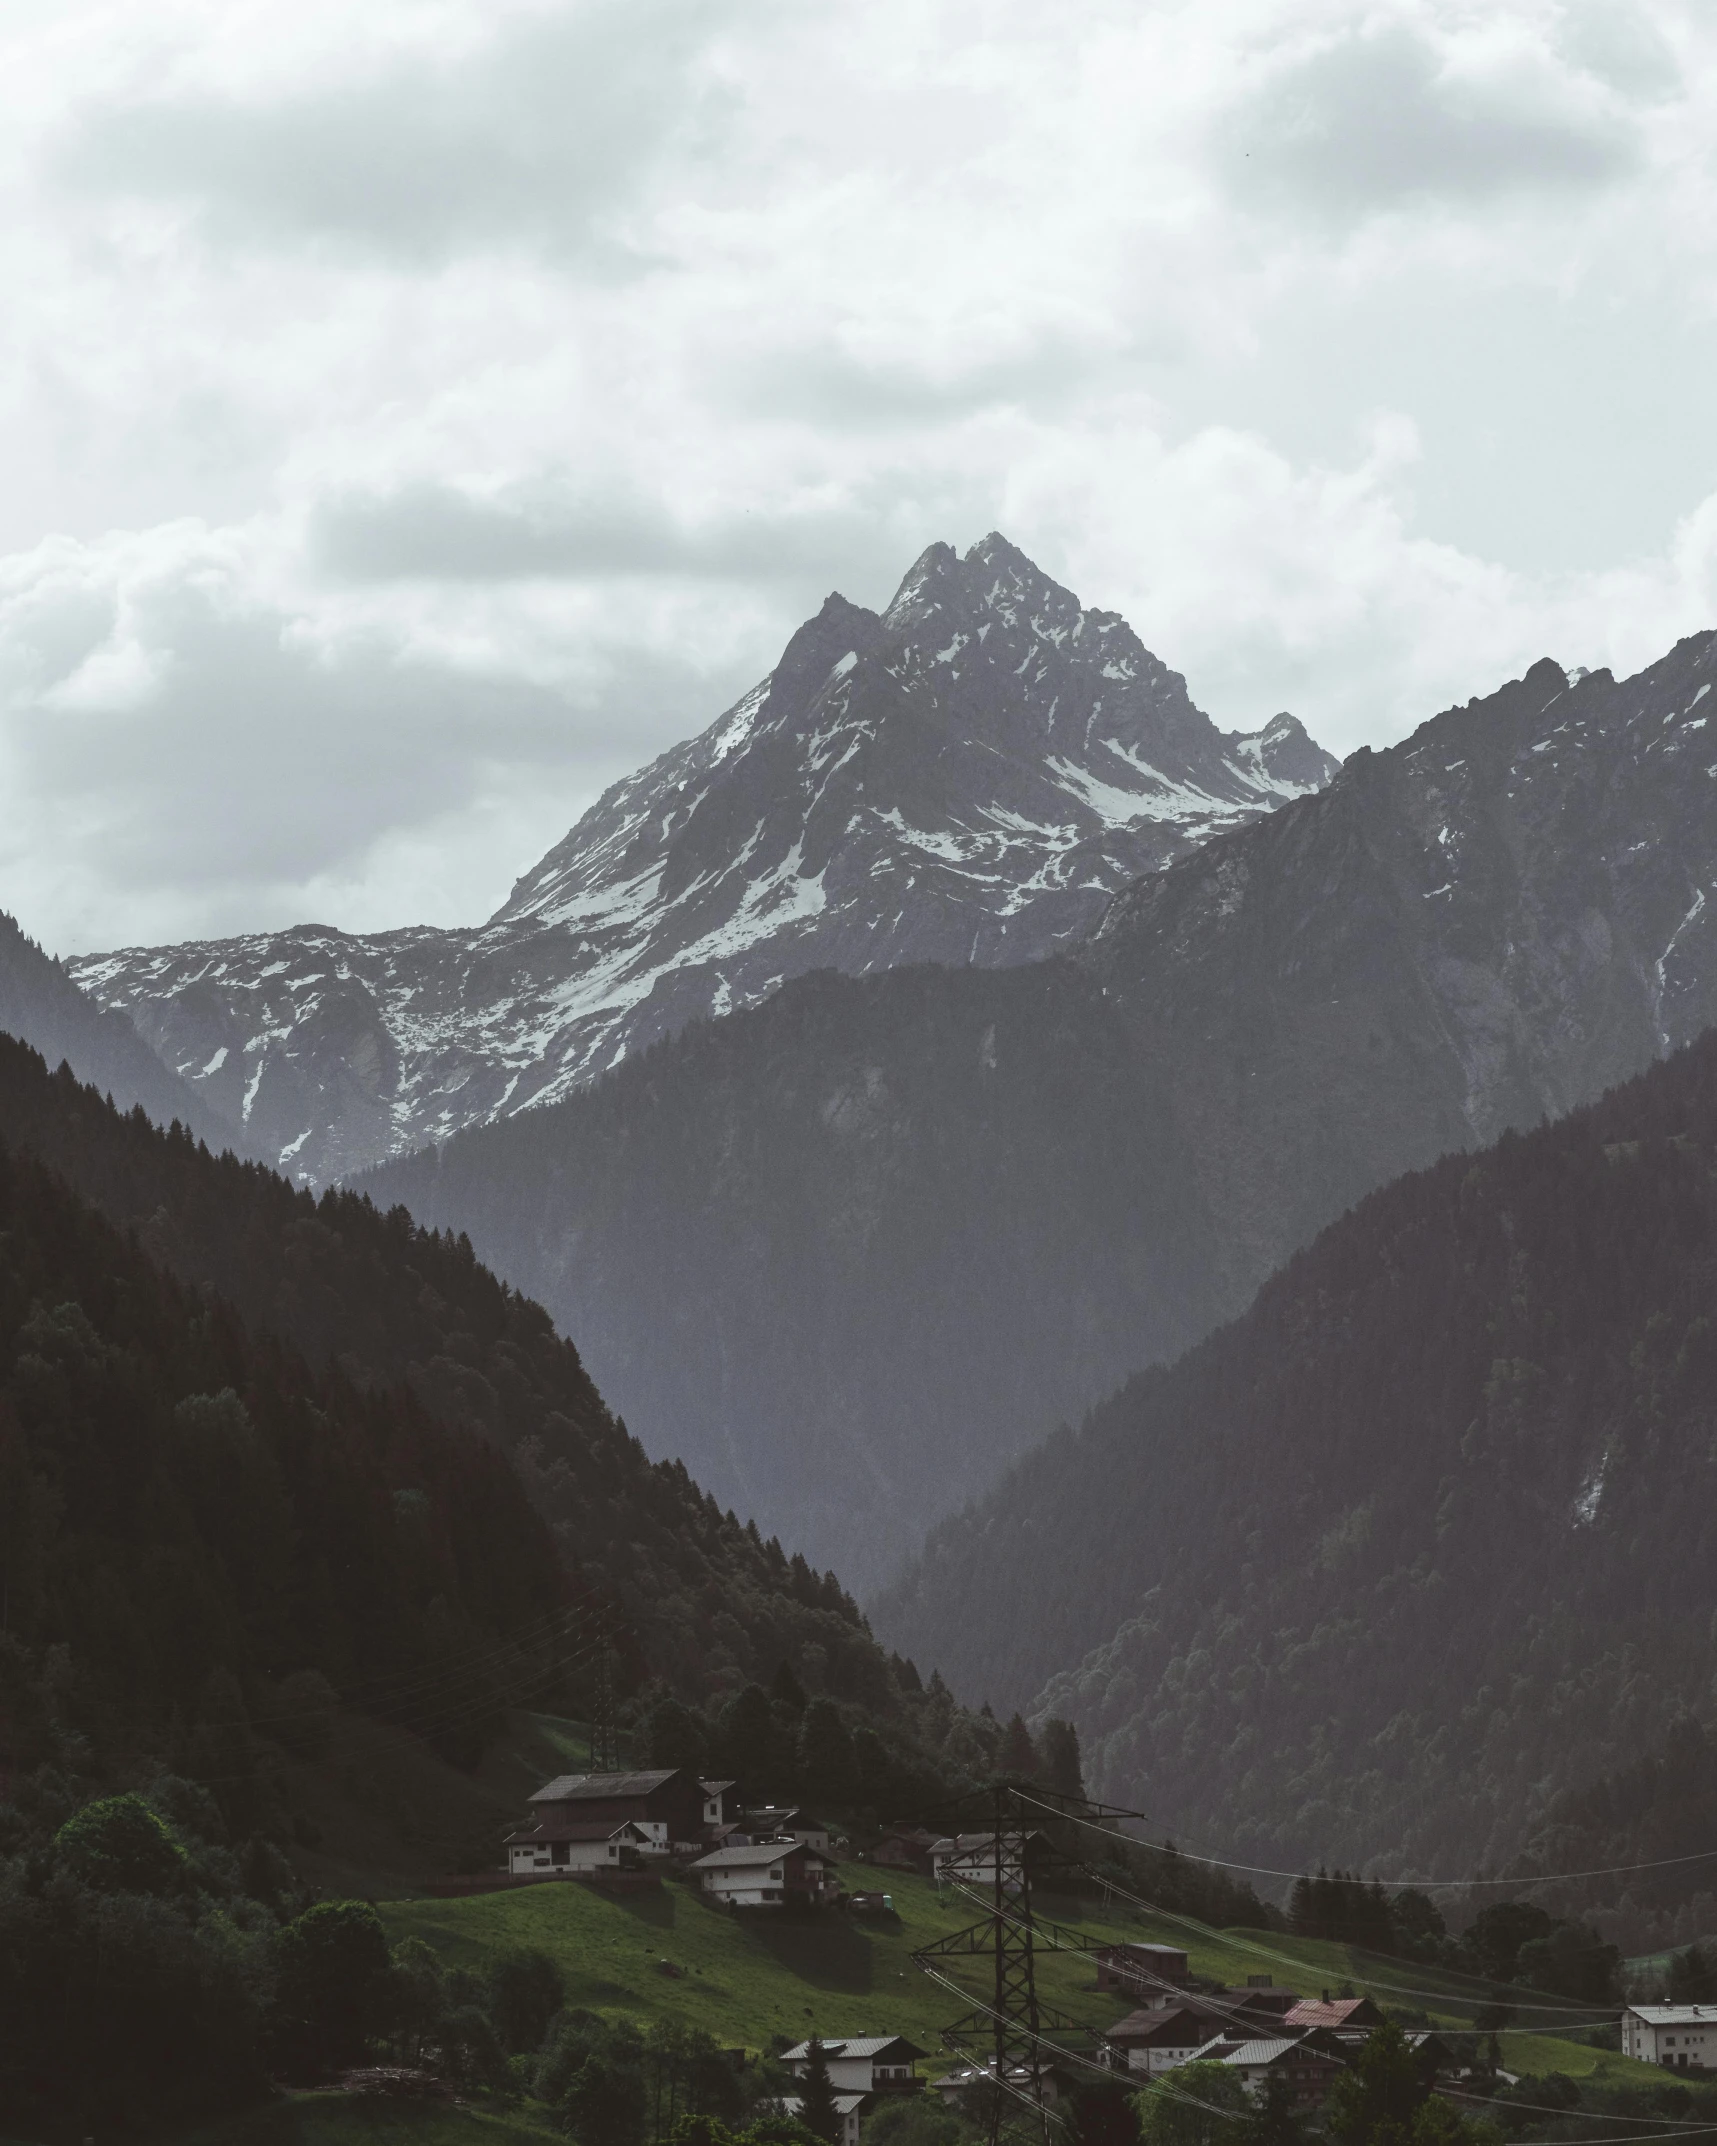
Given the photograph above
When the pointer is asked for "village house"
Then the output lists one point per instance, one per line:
(906, 1848)
(769, 1874)
(850, 2113)
(666, 1806)
(1309, 2068)
(717, 1818)
(1158, 2037)
(870, 2064)
(1682, 2036)
(970, 1858)
(1140, 1970)
(558, 1846)
(859, 2071)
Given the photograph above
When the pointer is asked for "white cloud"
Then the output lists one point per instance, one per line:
(414, 420)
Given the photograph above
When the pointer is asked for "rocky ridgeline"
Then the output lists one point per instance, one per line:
(967, 778)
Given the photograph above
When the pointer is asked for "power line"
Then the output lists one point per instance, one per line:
(1445, 1885)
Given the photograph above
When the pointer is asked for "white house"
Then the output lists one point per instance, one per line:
(851, 2109)
(766, 1875)
(1683, 2036)
(871, 2064)
(716, 1816)
(1309, 2071)
(562, 1847)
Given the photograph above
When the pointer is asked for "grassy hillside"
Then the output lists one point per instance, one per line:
(333, 2119)
(745, 1979)
(380, 1814)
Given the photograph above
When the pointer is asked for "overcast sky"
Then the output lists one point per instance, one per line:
(415, 416)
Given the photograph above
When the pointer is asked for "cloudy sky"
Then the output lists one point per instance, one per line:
(415, 416)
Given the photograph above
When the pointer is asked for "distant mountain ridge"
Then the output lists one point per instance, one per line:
(852, 1252)
(967, 778)
(1399, 1566)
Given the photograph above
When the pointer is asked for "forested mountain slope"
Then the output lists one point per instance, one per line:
(966, 777)
(852, 1252)
(1427, 1535)
(40, 1003)
(373, 1300)
(190, 1514)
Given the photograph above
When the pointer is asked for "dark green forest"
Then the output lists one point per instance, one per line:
(1424, 1539)
(705, 1600)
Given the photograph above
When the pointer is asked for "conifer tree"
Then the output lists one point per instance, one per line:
(817, 2111)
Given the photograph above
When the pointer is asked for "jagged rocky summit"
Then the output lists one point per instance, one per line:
(967, 778)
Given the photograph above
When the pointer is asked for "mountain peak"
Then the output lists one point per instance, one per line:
(966, 779)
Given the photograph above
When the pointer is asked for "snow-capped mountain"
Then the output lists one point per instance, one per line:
(967, 778)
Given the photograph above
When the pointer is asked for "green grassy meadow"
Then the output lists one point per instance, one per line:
(748, 1977)
(333, 2119)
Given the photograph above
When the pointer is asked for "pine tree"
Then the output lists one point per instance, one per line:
(825, 1755)
(817, 2111)
(1063, 1768)
(1019, 1761)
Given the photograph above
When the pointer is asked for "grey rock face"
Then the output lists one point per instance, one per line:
(852, 1252)
(966, 778)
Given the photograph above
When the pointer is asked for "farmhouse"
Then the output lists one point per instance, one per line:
(565, 1847)
(906, 1848)
(1159, 2037)
(1309, 2070)
(665, 1806)
(767, 1875)
(871, 2064)
(1682, 2036)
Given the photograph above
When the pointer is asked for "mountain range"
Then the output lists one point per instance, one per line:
(966, 778)
(855, 1250)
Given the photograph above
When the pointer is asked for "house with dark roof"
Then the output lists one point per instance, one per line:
(666, 1805)
(1337, 2014)
(768, 1874)
(1158, 2037)
(558, 1846)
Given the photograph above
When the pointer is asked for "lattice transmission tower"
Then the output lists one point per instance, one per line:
(1008, 2037)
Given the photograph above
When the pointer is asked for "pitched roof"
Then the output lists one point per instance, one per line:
(1159, 2021)
(867, 2045)
(1311, 2012)
(598, 1787)
(771, 1851)
(715, 1788)
(1676, 2015)
(1264, 2051)
(554, 1827)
